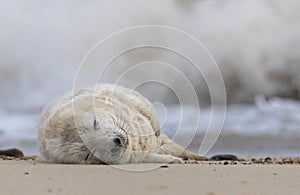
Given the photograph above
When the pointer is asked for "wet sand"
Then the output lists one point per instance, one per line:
(29, 176)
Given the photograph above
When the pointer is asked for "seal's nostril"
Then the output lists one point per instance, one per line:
(117, 141)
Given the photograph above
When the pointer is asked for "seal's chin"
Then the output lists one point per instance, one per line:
(107, 148)
(111, 153)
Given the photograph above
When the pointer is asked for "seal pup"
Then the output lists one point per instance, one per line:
(108, 124)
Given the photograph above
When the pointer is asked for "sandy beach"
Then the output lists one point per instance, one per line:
(34, 177)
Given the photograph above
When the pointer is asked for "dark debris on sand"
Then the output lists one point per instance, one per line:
(269, 160)
(263, 161)
(15, 154)
(223, 159)
(26, 158)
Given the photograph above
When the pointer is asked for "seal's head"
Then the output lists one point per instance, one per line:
(104, 139)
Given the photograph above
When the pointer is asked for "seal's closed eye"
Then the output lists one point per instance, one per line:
(95, 124)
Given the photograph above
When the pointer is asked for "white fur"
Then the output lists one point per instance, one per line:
(109, 124)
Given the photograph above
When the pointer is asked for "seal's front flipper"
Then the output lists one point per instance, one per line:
(161, 158)
(169, 147)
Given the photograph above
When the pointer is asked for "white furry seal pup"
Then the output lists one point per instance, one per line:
(108, 124)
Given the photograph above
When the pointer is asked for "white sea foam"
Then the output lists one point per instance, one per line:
(275, 116)
(19, 130)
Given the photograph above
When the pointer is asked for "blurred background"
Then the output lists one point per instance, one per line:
(255, 44)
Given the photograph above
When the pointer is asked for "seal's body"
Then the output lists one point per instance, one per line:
(107, 124)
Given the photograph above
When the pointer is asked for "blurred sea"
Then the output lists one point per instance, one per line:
(266, 128)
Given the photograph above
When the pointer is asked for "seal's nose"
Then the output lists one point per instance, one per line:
(118, 141)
